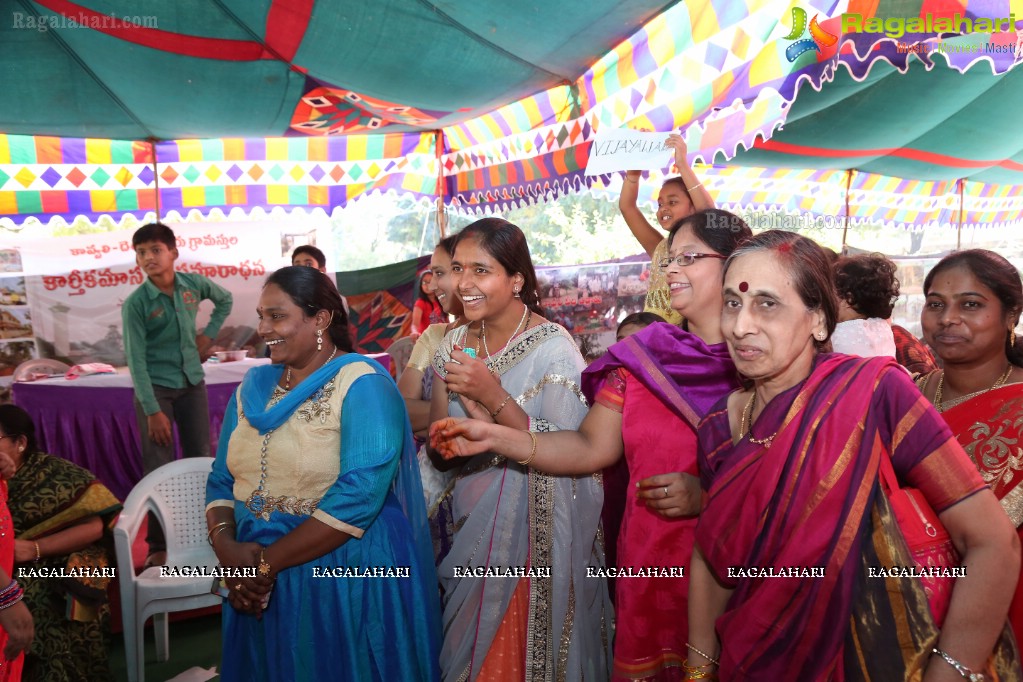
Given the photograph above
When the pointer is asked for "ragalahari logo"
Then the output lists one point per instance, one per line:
(818, 40)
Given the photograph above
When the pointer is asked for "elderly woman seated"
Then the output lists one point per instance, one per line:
(61, 516)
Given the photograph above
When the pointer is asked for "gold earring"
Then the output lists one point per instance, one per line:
(319, 339)
(821, 335)
(1012, 338)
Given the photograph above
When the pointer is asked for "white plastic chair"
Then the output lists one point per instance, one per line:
(176, 493)
(400, 351)
(25, 370)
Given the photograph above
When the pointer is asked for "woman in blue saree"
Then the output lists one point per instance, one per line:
(316, 487)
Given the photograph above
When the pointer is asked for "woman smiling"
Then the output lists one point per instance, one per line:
(315, 471)
(648, 391)
(523, 372)
(792, 467)
(974, 300)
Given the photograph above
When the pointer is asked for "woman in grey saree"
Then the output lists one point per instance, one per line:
(518, 602)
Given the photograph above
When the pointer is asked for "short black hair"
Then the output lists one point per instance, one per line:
(321, 260)
(721, 230)
(16, 422)
(867, 283)
(154, 232)
(644, 318)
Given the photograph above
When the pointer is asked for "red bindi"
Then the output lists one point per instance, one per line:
(743, 287)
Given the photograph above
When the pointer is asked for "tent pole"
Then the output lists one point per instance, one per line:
(441, 217)
(962, 211)
(845, 230)
(156, 179)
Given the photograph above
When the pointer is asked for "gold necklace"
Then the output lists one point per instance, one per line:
(483, 335)
(942, 406)
(287, 377)
(746, 413)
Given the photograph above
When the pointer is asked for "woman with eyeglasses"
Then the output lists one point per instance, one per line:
(648, 393)
(678, 198)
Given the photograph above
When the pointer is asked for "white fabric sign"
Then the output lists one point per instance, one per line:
(624, 150)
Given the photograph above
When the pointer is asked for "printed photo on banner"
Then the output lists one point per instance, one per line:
(12, 291)
(13, 353)
(584, 300)
(15, 322)
(10, 260)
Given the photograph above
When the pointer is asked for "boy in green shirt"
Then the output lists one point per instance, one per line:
(165, 356)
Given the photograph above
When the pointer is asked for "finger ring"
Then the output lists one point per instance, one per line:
(665, 491)
(238, 587)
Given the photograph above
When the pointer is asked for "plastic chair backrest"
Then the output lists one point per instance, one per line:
(400, 352)
(25, 370)
(176, 493)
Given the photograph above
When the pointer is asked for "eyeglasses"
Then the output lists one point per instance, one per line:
(686, 259)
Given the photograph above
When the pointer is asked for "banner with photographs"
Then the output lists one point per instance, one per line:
(590, 300)
(17, 338)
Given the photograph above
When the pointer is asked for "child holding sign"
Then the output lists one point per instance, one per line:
(679, 198)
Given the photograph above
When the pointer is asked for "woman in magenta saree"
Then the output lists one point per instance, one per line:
(974, 299)
(784, 582)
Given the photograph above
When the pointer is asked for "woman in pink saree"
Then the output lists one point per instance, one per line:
(647, 393)
(974, 299)
(785, 582)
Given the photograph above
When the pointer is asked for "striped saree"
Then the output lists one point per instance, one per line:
(812, 501)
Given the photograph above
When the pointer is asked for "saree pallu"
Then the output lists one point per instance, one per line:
(990, 429)
(71, 615)
(812, 500)
(436, 484)
(507, 518)
(662, 380)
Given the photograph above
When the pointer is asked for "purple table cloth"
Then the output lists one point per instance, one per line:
(95, 427)
(91, 421)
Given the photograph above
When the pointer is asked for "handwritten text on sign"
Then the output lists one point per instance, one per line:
(622, 150)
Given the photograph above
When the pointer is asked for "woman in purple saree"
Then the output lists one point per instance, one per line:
(784, 582)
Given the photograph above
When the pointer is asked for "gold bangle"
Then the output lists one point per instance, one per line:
(218, 531)
(39, 555)
(493, 415)
(712, 660)
(217, 527)
(690, 189)
(697, 672)
(532, 454)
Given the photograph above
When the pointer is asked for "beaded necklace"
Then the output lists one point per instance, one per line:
(746, 413)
